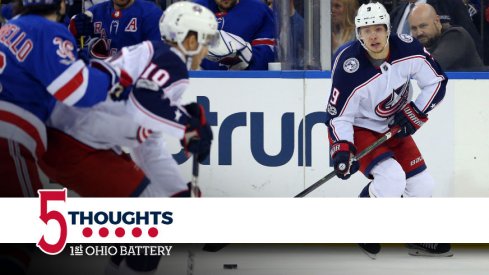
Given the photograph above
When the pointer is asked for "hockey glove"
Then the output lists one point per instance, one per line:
(81, 24)
(198, 134)
(98, 48)
(343, 153)
(231, 51)
(409, 119)
(121, 80)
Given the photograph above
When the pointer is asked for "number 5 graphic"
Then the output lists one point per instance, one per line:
(52, 195)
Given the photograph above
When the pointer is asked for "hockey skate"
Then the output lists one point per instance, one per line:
(371, 249)
(430, 249)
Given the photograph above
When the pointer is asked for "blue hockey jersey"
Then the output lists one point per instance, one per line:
(38, 65)
(367, 96)
(253, 21)
(126, 27)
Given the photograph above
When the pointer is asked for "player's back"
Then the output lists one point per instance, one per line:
(167, 69)
(24, 64)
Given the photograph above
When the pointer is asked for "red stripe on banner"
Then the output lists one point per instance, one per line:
(25, 125)
(258, 42)
(70, 86)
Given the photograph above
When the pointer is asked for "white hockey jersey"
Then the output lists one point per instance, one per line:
(160, 77)
(367, 96)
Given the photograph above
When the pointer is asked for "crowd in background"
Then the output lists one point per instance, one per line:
(451, 21)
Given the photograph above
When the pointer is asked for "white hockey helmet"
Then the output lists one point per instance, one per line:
(182, 17)
(372, 14)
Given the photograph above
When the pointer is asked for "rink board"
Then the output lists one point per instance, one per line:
(269, 139)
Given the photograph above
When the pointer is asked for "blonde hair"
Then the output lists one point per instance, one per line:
(346, 28)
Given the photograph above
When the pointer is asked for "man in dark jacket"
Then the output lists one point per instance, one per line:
(451, 12)
(451, 46)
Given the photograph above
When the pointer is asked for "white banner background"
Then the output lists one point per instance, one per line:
(265, 220)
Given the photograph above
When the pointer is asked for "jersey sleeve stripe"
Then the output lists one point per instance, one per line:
(263, 41)
(431, 98)
(434, 71)
(438, 86)
(336, 61)
(71, 85)
(334, 136)
(150, 49)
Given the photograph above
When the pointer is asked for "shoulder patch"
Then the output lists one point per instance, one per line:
(332, 110)
(405, 37)
(351, 65)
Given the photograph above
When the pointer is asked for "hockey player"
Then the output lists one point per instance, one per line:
(247, 33)
(159, 70)
(114, 24)
(38, 66)
(153, 109)
(371, 92)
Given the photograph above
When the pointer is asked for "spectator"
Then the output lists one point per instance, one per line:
(343, 22)
(296, 24)
(474, 9)
(9, 9)
(451, 46)
(297, 29)
(74, 7)
(387, 3)
(116, 24)
(451, 12)
(247, 28)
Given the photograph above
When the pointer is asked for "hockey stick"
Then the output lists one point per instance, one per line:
(82, 38)
(195, 192)
(392, 132)
(194, 188)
